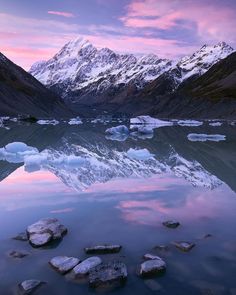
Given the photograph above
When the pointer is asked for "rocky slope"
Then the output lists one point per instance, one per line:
(85, 75)
(21, 94)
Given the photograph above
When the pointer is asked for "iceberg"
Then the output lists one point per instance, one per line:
(142, 154)
(75, 121)
(215, 124)
(189, 123)
(149, 120)
(48, 122)
(206, 137)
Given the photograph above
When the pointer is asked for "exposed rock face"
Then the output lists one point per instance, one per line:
(63, 264)
(29, 286)
(184, 246)
(108, 274)
(152, 267)
(44, 231)
(86, 266)
(103, 249)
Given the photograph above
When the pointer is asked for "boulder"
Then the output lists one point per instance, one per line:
(29, 286)
(63, 264)
(171, 223)
(152, 267)
(111, 274)
(184, 246)
(86, 266)
(103, 249)
(44, 231)
(150, 257)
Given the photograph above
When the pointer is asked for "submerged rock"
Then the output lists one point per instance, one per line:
(153, 285)
(21, 237)
(18, 254)
(63, 264)
(150, 257)
(86, 266)
(152, 267)
(103, 249)
(171, 223)
(161, 247)
(112, 274)
(184, 246)
(44, 231)
(29, 286)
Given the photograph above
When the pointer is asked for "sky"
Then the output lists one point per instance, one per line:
(35, 30)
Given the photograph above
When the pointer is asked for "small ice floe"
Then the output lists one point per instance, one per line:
(190, 123)
(206, 137)
(149, 120)
(142, 154)
(215, 124)
(16, 152)
(75, 121)
(118, 133)
(48, 122)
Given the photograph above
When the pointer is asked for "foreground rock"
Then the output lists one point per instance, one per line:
(45, 231)
(152, 267)
(86, 266)
(18, 254)
(21, 237)
(63, 264)
(171, 223)
(111, 274)
(29, 286)
(103, 249)
(184, 246)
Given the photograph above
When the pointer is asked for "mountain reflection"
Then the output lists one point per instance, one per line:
(82, 155)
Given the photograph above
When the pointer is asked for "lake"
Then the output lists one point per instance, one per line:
(104, 191)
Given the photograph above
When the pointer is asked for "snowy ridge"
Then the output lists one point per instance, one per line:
(82, 68)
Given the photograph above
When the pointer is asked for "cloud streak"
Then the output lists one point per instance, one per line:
(61, 13)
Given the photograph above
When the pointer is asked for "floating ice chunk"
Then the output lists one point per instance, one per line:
(16, 152)
(150, 120)
(189, 123)
(205, 137)
(142, 154)
(121, 129)
(48, 122)
(75, 121)
(117, 137)
(215, 124)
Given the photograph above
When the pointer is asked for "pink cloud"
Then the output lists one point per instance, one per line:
(213, 22)
(61, 13)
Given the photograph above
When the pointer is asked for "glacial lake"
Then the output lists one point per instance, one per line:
(119, 197)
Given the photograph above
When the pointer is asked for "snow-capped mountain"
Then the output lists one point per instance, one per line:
(81, 71)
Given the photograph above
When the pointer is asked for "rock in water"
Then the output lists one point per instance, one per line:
(21, 237)
(152, 267)
(184, 246)
(18, 254)
(150, 257)
(86, 266)
(44, 231)
(171, 223)
(63, 264)
(29, 286)
(103, 249)
(111, 274)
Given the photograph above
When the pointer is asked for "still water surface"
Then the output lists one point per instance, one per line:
(122, 200)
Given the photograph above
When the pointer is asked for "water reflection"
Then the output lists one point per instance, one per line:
(81, 156)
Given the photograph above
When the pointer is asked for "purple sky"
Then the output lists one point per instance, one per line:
(35, 30)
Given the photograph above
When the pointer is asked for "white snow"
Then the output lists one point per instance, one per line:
(142, 154)
(189, 123)
(206, 137)
(48, 122)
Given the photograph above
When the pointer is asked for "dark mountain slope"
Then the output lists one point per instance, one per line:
(22, 94)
